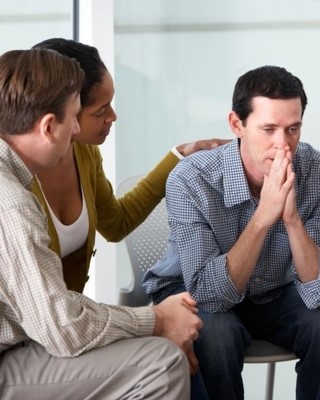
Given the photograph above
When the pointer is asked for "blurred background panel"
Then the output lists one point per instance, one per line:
(24, 23)
(176, 63)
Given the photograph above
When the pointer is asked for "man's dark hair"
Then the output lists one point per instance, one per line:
(267, 81)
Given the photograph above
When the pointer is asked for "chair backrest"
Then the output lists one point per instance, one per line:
(145, 245)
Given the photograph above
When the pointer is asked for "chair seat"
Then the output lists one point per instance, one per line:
(261, 351)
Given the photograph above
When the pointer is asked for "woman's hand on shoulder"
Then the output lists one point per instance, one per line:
(186, 149)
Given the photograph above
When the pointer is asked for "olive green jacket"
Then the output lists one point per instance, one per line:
(113, 218)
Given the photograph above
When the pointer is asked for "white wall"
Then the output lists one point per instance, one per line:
(96, 28)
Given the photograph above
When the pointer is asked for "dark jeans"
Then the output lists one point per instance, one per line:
(198, 391)
(285, 321)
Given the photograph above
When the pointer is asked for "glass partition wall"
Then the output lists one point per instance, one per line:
(24, 23)
(176, 63)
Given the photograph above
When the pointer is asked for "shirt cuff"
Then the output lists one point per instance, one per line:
(176, 153)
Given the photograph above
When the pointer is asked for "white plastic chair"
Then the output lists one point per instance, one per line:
(145, 245)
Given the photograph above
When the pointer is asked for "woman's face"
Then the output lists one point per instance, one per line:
(96, 119)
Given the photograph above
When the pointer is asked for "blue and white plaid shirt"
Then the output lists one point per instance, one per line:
(209, 204)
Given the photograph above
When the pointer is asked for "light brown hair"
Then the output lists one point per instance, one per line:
(34, 83)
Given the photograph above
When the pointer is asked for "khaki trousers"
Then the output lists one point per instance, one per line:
(139, 368)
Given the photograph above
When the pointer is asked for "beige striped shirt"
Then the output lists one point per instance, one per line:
(34, 300)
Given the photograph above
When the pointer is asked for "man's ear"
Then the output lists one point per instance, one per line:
(47, 127)
(235, 124)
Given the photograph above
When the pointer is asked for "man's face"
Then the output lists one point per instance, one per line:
(273, 124)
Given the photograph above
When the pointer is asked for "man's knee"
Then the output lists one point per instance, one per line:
(170, 353)
(222, 333)
(176, 367)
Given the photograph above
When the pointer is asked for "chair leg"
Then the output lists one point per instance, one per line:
(270, 380)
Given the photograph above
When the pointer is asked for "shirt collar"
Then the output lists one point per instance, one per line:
(236, 189)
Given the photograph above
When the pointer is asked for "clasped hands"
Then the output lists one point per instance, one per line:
(177, 320)
(277, 199)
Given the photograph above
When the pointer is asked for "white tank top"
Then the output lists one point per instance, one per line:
(71, 237)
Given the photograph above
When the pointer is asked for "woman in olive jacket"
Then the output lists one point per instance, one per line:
(76, 195)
